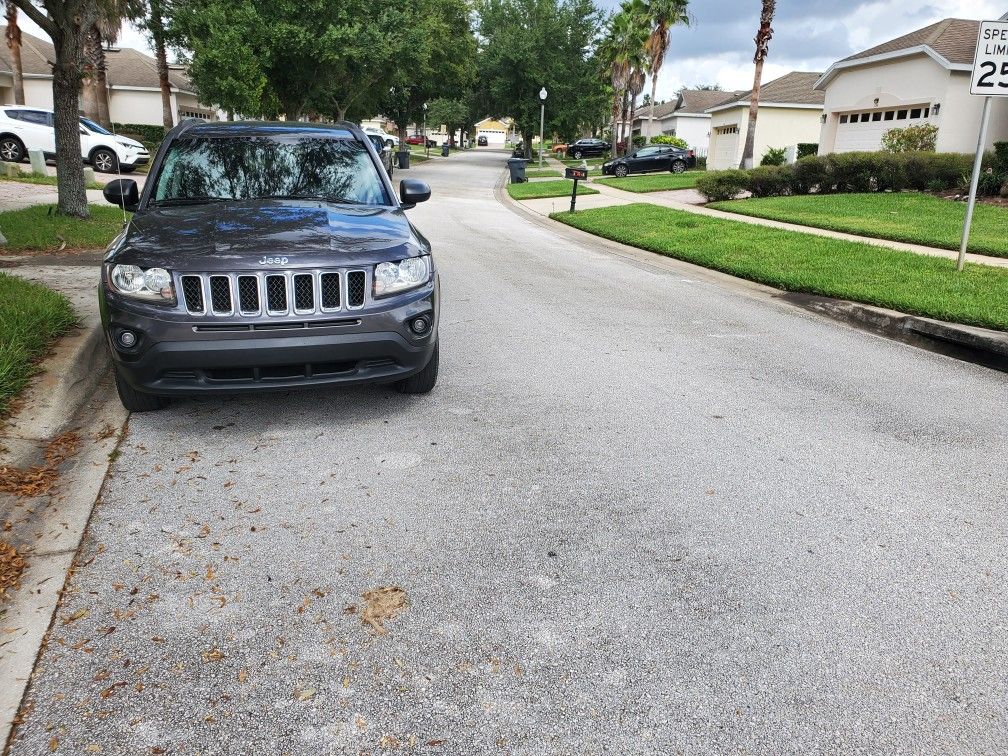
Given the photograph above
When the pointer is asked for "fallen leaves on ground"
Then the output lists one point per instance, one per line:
(382, 604)
(12, 564)
(39, 480)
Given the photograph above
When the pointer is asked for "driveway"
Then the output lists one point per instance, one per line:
(644, 511)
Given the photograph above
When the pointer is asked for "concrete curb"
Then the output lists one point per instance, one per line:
(981, 346)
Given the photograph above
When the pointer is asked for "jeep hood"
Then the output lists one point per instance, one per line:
(230, 236)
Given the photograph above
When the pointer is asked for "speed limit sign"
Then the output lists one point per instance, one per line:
(990, 64)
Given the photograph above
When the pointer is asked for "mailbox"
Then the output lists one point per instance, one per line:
(578, 174)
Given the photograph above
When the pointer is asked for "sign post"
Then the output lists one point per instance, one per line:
(989, 80)
(578, 174)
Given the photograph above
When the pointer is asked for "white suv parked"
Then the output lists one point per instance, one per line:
(23, 129)
(391, 140)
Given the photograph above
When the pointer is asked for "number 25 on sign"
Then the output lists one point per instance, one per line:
(990, 67)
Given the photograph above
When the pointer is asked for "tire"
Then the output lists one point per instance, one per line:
(12, 149)
(127, 168)
(104, 161)
(578, 154)
(621, 171)
(424, 381)
(136, 401)
(678, 166)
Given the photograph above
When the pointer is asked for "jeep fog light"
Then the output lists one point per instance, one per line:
(393, 277)
(154, 284)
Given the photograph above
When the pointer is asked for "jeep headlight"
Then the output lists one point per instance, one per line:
(393, 277)
(153, 284)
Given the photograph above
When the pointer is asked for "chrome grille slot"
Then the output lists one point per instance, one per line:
(329, 284)
(192, 292)
(248, 295)
(356, 288)
(276, 294)
(304, 293)
(220, 295)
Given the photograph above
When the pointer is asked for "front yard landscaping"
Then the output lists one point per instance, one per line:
(34, 229)
(31, 178)
(793, 261)
(544, 173)
(541, 189)
(31, 318)
(900, 216)
(654, 182)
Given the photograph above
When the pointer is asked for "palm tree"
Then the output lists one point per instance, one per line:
(635, 85)
(763, 35)
(13, 35)
(623, 49)
(154, 22)
(663, 14)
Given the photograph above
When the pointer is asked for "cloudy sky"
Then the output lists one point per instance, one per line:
(808, 35)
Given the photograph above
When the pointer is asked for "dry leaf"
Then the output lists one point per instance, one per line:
(242, 675)
(305, 694)
(382, 604)
(213, 655)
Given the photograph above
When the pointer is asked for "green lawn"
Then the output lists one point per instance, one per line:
(544, 173)
(31, 178)
(900, 216)
(577, 163)
(655, 182)
(33, 229)
(540, 189)
(794, 261)
(31, 318)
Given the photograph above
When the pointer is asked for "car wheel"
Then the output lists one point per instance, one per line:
(578, 154)
(104, 161)
(678, 166)
(136, 401)
(424, 381)
(621, 171)
(11, 149)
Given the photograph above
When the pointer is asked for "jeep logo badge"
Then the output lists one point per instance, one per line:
(273, 261)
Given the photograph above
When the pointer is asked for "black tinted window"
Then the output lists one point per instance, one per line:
(334, 170)
(30, 116)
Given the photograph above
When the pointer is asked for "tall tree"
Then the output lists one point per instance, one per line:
(623, 51)
(153, 21)
(635, 85)
(66, 22)
(531, 44)
(13, 35)
(663, 15)
(763, 36)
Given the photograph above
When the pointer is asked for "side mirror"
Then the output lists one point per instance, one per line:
(412, 191)
(124, 193)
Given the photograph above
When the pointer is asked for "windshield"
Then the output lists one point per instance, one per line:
(92, 126)
(276, 167)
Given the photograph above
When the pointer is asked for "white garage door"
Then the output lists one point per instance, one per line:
(725, 149)
(862, 132)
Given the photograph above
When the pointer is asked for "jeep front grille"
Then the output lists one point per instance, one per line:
(274, 294)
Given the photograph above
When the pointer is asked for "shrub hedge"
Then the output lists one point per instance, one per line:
(675, 141)
(845, 172)
(150, 136)
(807, 148)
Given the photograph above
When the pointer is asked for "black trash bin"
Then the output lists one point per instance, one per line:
(403, 156)
(444, 150)
(517, 168)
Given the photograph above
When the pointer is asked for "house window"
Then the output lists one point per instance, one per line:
(901, 115)
(927, 112)
(843, 118)
(890, 114)
(876, 116)
(915, 113)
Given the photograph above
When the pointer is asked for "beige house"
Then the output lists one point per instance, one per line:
(921, 77)
(790, 113)
(685, 117)
(134, 88)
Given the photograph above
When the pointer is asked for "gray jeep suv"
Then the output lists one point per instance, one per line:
(267, 256)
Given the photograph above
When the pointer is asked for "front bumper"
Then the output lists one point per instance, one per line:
(184, 355)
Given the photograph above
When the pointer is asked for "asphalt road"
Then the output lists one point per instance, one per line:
(643, 512)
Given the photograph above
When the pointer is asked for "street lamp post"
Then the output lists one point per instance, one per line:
(426, 144)
(542, 123)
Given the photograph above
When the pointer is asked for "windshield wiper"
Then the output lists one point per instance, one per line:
(190, 201)
(331, 200)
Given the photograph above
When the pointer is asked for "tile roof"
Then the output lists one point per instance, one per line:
(698, 100)
(794, 88)
(126, 67)
(953, 38)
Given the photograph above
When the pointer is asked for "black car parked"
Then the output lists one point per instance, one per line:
(656, 157)
(268, 256)
(384, 152)
(584, 148)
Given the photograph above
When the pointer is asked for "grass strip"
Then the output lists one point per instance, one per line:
(31, 178)
(655, 182)
(900, 216)
(541, 189)
(39, 229)
(31, 318)
(545, 173)
(793, 261)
